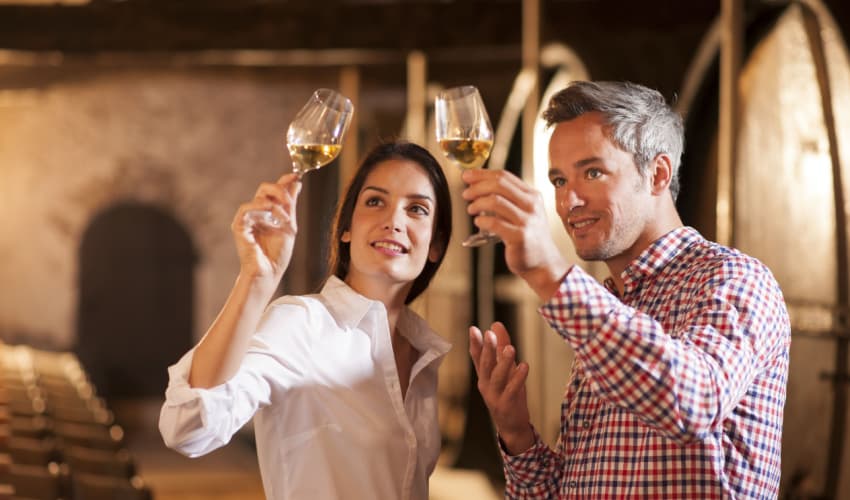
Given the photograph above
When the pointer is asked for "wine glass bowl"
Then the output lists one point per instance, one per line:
(314, 137)
(465, 136)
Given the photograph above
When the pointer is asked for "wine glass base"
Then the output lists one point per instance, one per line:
(265, 218)
(480, 239)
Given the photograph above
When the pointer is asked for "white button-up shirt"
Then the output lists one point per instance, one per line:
(330, 419)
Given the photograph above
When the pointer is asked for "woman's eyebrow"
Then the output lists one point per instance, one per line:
(417, 196)
(420, 197)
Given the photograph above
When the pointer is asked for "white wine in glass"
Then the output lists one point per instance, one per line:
(306, 157)
(315, 136)
(467, 153)
(465, 136)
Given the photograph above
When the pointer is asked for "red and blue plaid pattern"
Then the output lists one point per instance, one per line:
(678, 386)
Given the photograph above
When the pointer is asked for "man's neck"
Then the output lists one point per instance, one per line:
(667, 221)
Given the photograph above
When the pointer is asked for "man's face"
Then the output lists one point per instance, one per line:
(604, 203)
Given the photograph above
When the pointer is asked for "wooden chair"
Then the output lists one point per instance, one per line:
(37, 482)
(34, 426)
(93, 487)
(32, 451)
(89, 435)
(82, 460)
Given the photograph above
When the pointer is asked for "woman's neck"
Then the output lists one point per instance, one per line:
(392, 296)
(394, 307)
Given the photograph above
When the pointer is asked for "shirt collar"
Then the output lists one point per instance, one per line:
(657, 255)
(350, 308)
(420, 335)
(346, 305)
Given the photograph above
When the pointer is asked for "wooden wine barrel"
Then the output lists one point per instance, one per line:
(789, 209)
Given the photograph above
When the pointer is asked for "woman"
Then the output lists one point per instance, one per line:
(342, 384)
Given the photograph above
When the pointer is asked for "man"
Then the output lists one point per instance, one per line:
(681, 357)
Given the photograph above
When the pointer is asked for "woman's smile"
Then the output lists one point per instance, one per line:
(389, 247)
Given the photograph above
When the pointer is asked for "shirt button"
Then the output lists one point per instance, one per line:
(572, 484)
(586, 424)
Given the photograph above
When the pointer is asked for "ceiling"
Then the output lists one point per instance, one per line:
(650, 41)
(322, 24)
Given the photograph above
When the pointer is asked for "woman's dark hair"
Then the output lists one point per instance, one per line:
(340, 252)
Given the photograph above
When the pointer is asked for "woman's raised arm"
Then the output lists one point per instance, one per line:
(264, 255)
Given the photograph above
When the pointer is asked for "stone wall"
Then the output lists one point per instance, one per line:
(192, 142)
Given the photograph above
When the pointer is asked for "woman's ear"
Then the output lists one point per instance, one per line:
(346, 236)
(436, 251)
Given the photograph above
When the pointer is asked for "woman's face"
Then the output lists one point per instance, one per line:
(391, 227)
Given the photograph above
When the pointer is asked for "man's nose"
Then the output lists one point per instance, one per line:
(570, 199)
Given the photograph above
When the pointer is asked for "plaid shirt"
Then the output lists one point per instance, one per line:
(678, 386)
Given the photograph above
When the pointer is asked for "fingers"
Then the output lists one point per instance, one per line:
(516, 382)
(476, 344)
(284, 191)
(504, 202)
(273, 206)
(292, 182)
(512, 211)
(494, 359)
(503, 338)
(504, 368)
(487, 361)
(484, 182)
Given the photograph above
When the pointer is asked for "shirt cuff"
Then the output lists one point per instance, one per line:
(195, 421)
(524, 470)
(579, 307)
(213, 400)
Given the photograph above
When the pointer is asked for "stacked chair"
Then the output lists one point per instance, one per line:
(58, 439)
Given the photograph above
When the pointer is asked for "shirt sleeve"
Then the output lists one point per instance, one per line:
(533, 474)
(195, 421)
(685, 379)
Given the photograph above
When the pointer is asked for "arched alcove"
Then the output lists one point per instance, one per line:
(135, 309)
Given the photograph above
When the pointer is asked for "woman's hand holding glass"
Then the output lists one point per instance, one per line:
(265, 250)
(265, 227)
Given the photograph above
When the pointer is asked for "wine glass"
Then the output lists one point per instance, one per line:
(465, 136)
(314, 137)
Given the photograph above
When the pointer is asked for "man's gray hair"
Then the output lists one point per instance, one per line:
(638, 120)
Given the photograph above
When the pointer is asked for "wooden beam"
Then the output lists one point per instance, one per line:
(417, 97)
(304, 24)
(180, 26)
(731, 52)
(349, 86)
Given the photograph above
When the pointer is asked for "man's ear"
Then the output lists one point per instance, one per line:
(346, 236)
(661, 173)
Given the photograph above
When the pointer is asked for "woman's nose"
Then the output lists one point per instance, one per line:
(395, 220)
